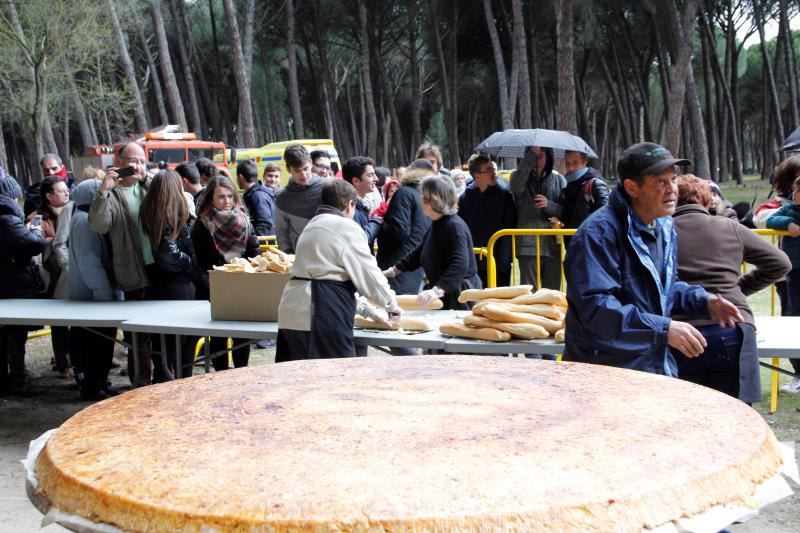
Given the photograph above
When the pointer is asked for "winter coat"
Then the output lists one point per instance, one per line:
(260, 203)
(780, 220)
(295, 205)
(60, 248)
(208, 256)
(619, 307)
(404, 224)
(111, 215)
(446, 257)
(176, 257)
(573, 204)
(371, 226)
(19, 275)
(525, 184)
(332, 247)
(89, 259)
(711, 250)
(486, 213)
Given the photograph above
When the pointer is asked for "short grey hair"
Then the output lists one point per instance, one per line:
(51, 157)
(440, 194)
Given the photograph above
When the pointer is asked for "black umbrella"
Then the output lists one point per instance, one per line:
(512, 142)
(792, 142)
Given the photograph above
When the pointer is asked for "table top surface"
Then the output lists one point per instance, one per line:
(196, 320)
(82, 313)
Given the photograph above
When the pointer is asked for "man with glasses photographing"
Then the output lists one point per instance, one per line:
(321, 164)
(115, 211)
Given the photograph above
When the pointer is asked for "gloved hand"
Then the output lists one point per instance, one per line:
(391, 272)
(382, 316)
(395, 313)
(426, 297)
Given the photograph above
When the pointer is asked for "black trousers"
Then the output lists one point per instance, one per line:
(96, 354)
(241, 355)
(170, 286)
(12, 356)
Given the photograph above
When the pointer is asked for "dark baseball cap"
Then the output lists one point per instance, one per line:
(644, 159)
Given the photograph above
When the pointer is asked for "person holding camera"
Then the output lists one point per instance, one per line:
(115, 211)
(19, 244)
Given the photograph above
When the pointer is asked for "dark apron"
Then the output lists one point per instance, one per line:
(333, 306)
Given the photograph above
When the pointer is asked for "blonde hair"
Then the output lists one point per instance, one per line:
(439, 192)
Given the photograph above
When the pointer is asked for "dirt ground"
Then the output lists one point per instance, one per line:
(25, 419)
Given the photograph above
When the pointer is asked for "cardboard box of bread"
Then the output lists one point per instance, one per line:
(250, 289)
(503, 313)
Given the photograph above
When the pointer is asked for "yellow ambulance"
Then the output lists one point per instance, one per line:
(273, 153)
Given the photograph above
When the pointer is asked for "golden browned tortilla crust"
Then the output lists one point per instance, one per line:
(448, 443)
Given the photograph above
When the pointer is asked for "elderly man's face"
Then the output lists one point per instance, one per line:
(133, 156)
(656, 196)
(50, 167)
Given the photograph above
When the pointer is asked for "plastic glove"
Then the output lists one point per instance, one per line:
(426, 297)
(376, 314)
(395, 313)
(391, 272)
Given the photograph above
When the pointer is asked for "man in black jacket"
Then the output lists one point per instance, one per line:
(359, 171)
(258, 199)
(487, 208)
(585, 192)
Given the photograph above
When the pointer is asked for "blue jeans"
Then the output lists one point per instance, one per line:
(718, 366)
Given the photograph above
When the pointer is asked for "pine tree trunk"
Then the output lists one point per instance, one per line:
(3, 153)
(186, 66)
(711, 116)
(567, 116)
(450, 126)
(294, 91)
(695, 114)
(506, 111)
(785, 35)
(151, 66)
(242, 79)
(768, 70)
(170, 84)
(247, 49)
(366, 71)
(416, 93)
(127, 66)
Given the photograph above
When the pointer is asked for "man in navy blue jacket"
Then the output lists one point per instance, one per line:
(259, 200)
(359, 171)
(621, 270)
(487, 208)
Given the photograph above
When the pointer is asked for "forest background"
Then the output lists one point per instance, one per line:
(702, 77)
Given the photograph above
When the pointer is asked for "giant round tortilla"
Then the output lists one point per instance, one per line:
(448, 443)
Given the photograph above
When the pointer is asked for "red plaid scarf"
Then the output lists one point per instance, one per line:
(229, 230)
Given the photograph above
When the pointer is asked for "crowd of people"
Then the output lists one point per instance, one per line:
(137, 233)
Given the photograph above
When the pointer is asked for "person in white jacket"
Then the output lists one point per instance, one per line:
(332, 263)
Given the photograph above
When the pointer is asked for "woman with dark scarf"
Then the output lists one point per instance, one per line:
(221, 234)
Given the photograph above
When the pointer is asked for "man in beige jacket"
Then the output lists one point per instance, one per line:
(332, 263)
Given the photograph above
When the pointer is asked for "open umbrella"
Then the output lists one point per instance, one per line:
(512, 142)
(792, 142)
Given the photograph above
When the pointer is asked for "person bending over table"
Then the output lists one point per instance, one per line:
(711, 250)
(332, 262)
(446, 253)
(222, 233)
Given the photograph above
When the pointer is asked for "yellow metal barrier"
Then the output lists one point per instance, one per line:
(40, 333)
(267, 241)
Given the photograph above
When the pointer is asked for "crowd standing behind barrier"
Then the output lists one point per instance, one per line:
(524, 260)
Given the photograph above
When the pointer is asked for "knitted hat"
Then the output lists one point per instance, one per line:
(9, 186)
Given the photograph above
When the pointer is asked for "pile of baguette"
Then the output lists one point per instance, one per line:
(271, 260)
(505, 312)
(406, 302)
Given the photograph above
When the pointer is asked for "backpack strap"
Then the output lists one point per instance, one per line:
(587, 191)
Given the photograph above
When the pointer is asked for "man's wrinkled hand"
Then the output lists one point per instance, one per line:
(685, 338)
(723, 312)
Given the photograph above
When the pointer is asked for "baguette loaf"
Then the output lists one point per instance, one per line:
(408, 324)
(560, 335)
(408, 302)
(547, 311)
(542, 296)
(470, 295)
(521, 330)
(484, 334)
(501, 314)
